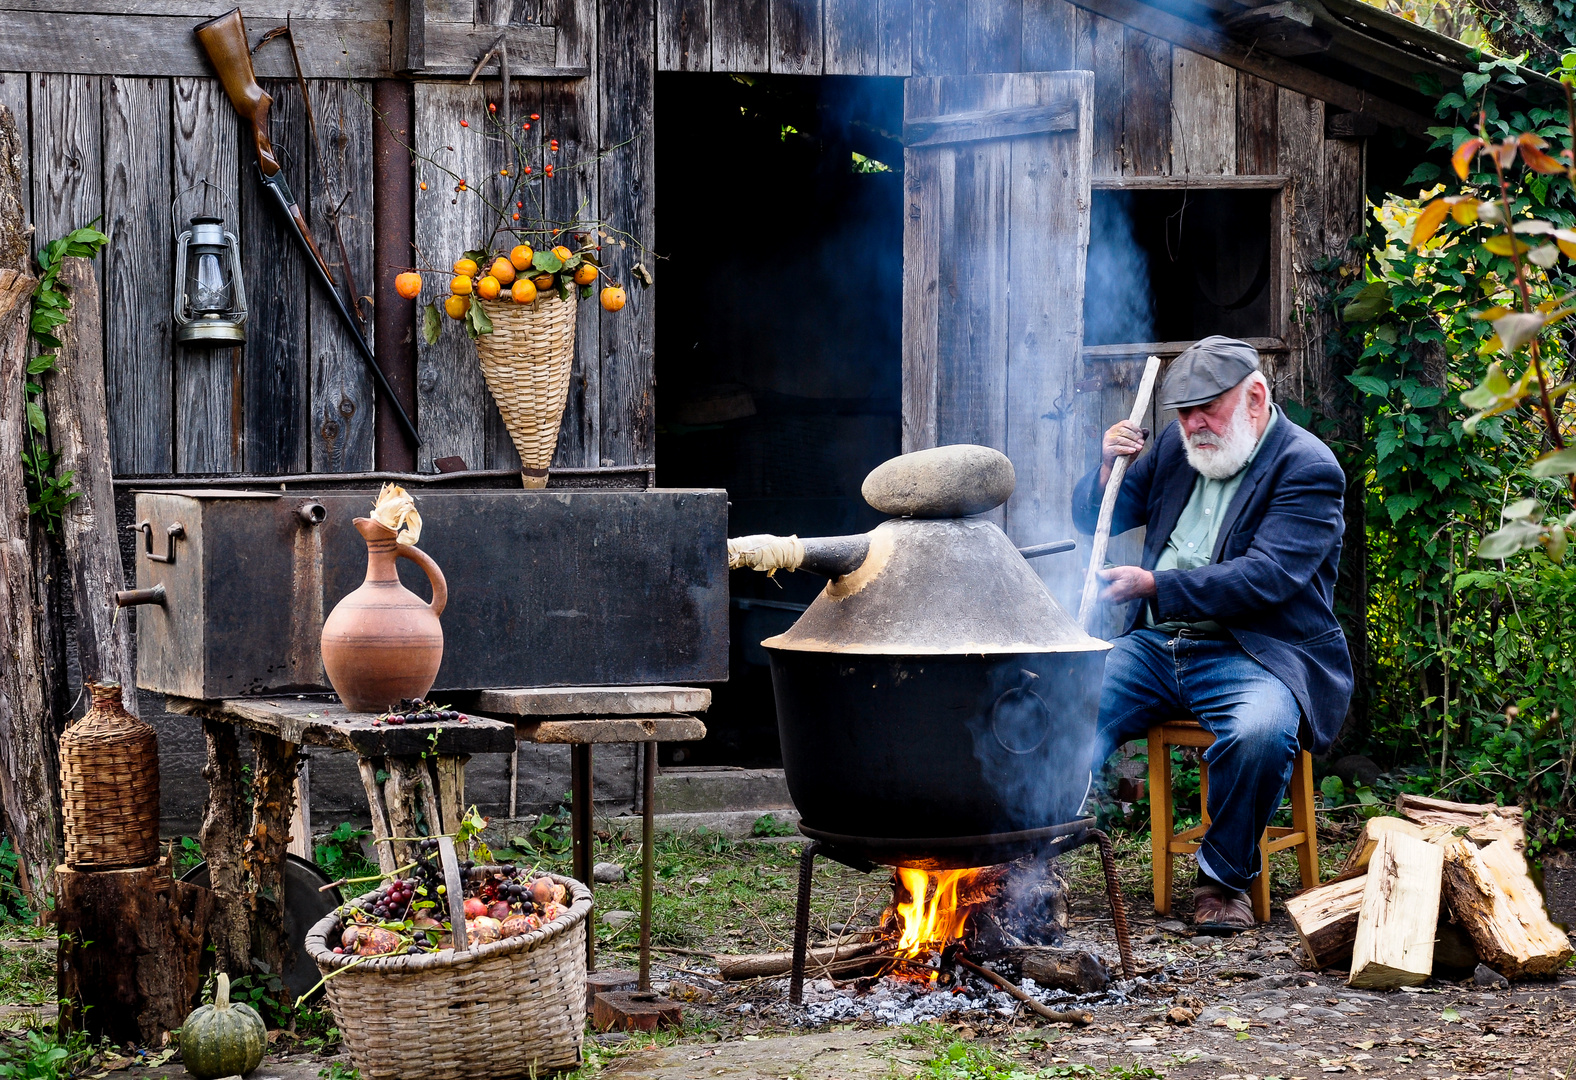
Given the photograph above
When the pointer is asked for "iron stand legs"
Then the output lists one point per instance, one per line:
(801, 922)
(581, 819)
(648, 861)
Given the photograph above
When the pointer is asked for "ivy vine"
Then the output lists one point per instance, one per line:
(48, 494)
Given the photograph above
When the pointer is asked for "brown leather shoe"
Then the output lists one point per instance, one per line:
(1218, 910)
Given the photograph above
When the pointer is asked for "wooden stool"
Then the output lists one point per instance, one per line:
(1162, 737)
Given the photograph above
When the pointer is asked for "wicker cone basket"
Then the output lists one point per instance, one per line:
(511, 1008)
(109, 786)
(526, 361)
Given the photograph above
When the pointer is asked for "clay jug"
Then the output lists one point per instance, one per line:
(382, 642)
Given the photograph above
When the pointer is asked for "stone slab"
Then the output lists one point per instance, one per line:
(566, 701)
(846, 1055)
(703, 790)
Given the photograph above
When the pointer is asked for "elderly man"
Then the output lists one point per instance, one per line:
(1234, 625)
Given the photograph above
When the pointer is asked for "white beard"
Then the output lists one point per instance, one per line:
(1230, 451)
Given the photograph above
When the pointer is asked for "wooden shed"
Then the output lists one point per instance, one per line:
(1001, 133)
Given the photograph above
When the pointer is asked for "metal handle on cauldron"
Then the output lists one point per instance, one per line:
(828, 556)
(1034, 551)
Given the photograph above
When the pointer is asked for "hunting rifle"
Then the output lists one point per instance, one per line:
(224, 40)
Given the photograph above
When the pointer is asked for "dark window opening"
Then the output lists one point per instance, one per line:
(778, 338)
(1170, 265)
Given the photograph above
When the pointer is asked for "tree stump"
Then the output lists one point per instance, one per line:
(131, 950)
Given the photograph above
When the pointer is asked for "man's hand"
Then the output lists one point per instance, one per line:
(1122, 439)
(1124, 583)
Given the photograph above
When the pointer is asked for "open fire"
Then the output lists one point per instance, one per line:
(935, 909)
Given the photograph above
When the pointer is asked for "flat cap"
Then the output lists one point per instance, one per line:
(1205, 370)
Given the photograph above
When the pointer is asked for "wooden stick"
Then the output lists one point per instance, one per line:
(1113, 487)
(1055, 1016)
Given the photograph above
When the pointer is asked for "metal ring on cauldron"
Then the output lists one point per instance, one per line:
(1021, 704)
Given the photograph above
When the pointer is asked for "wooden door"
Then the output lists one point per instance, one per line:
(997, 225)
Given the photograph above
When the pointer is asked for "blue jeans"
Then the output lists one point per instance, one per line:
(1151, 677)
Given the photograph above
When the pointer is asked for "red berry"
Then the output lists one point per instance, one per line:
(491, 107)
(525, 127)
(519, 206)
(465, 123)
(528, 170)
(549, 170)
(534, 116)
(517, 217)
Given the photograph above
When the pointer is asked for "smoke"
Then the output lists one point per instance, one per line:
(1031, 735)
(1118, 304)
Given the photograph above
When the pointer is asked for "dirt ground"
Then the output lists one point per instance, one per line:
(1261, 1015)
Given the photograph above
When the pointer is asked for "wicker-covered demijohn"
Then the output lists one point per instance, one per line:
(526, 361)
(510, 1008)
(109, 786)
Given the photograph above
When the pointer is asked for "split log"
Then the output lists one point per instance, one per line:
(1484, 822)
(1357, 860)
(1326, 919)
(131, 948)
(818, 962)
(1496, 902)
(29, 766)
(79, 429)
(634, 1010)
(1399, 916)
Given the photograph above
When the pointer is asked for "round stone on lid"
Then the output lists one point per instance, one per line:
(942, 482)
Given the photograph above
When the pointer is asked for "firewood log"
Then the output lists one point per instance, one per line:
(1357, 861)
(1326, 919)
(1484, 821)
(1496, 902)
(838, 960)
(1399, 916)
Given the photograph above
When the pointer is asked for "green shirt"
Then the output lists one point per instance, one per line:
(1192, 542)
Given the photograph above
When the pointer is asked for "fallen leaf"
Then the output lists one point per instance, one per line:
(1450, 1014)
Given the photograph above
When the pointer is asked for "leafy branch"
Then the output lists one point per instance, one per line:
(48, 494)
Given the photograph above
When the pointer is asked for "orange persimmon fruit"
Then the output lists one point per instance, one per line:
(465, 267)
(502, 269)
(585, 274)
(488, 288)
(543, 282)
(523, 292)
(614, 297)
(562, 252)
(461, 285)
(457, 306)
(408, 284)
(521, 256)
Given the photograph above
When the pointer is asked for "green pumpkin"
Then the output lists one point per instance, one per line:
(223, 1039)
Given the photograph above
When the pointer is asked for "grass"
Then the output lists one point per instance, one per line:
(950, 1057)
(27, 972)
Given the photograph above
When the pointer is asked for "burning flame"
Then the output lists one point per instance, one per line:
(931, 917)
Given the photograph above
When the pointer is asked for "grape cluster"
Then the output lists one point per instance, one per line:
(419, 711)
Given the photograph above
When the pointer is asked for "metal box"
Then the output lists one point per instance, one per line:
(546, 588)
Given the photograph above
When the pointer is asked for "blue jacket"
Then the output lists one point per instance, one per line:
(1271, 577)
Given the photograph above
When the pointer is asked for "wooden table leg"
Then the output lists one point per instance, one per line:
(224, 829)
(580, 825)
(379, 813)
(273, 806)
(648, 821)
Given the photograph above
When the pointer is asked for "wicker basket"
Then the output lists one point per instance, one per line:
(512, 1008)
(109, 786)
(526, 362)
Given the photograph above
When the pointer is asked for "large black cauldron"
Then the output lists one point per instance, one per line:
(936, 706)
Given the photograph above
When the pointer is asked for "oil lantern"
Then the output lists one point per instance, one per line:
(210, 298)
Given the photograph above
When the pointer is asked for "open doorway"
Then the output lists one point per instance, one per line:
(778, 340)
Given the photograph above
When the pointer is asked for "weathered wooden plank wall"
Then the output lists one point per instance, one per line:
(118, 148)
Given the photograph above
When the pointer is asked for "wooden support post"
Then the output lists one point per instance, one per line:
(1496, 902)
(132, 944)
(301, 820)
(1399, 916)
(379, 813)
(430, 809)
(79, 429)
(400, 793)
(634, 1010)
(29, 746)
(273, 806)
(449, 773)
(514, 781)
(223, 838)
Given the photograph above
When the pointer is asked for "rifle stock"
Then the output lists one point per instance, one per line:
(224, 40)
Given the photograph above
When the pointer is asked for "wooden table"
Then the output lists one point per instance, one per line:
(581, 717)
(409, 770)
